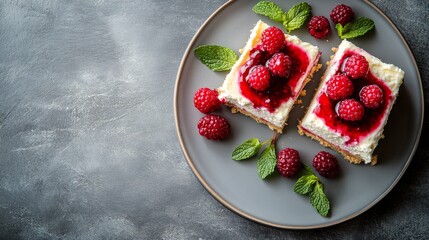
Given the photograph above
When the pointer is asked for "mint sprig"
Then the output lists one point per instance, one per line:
(267, 160)
(305, 184)
(215, 57)
(296, 16)
(309, 184)
(358, 27)
(293, 19)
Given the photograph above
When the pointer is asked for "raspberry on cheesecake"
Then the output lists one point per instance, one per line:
(351, 119)
(269, 75)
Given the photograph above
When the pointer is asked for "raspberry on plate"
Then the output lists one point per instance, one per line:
(326, 164)
(339, 87)
(350, 110)
(341, 14)
(356, 66)
(279, 65)
(206, 100)
(371, 96)
(288, 162)
(259, 78)
(273, 39)
(214, 127)
(319, 27)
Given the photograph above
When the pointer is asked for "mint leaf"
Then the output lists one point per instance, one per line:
(340, 29)
(305, 184)
(319, 200)
(356, 28)
(247, 149)
(296, 16)
(310, 184)
(306, 170)
(270, 10)
(267, 161)
(217, 58)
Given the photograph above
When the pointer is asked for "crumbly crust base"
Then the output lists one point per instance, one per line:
(348, 156)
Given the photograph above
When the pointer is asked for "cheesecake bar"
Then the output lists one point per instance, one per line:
(270, 100)
(352, 104)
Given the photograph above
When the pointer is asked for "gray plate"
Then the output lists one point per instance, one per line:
(273, 202)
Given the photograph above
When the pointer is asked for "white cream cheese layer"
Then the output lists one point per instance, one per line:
(230, 90)
(391, 75)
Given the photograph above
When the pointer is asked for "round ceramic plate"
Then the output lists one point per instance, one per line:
(272, 202)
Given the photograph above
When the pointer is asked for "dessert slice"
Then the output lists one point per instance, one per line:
(352, 104)
(269, 75)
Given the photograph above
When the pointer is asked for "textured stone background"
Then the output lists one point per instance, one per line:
(86, 104)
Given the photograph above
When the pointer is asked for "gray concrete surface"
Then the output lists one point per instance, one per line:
(88, 146)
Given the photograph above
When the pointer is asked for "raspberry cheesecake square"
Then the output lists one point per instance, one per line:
(269, 76)
(352, 104)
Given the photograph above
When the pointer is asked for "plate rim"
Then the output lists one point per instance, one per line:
(248, 216)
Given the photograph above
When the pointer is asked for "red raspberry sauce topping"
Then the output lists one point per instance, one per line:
(281, 88)
(372, 117)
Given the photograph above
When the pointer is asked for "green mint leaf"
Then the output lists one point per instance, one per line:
(306, 170)
(356, 28)
(270, 10)
(217, 58)
(267, 161)
(305, 184)
(296, 16)
(247, 149)
(319, 200)
(340, 29)
(309, 184)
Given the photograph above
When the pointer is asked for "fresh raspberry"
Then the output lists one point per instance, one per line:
(288, 162)
(214, 127)
(273, 39)
(371, 96)
(206, 100)
(342, 14)
(279, 65)
(326, 164)
(339, 87)
(356, 66)
(350, 109)
(319, 27)
(259, 78)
